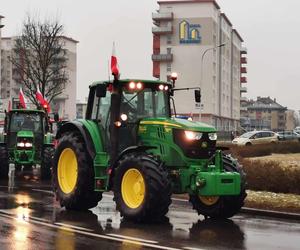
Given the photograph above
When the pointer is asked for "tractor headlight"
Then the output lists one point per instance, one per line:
(21, 144)
(213, 136)
(192, 135)
(28, 145)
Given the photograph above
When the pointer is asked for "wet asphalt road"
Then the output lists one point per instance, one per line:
(30, 218)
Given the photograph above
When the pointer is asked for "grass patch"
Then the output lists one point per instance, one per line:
(271, 176)
(265, 149)
(273, 201)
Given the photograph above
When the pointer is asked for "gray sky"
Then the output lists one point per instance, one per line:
(270, 29)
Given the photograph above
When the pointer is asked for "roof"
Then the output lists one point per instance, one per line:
(265, 103)
(69, 39)
(188, 1)
(238, 35)
(226, 19)
(27, 111)
(124, 81)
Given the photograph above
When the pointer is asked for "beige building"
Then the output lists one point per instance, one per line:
(185, 39)
(266, 113)
(65, 104)
(80, 109)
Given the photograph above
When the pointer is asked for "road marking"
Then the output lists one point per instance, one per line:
(192, 248)
(75, 227)
(106, 237)
(133, 238)
(42, 190)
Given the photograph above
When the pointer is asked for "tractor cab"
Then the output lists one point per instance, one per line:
(135, 101)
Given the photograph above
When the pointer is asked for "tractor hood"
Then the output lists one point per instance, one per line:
(25, 134)
(179, 124)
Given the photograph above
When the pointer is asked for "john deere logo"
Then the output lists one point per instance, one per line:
(189, 33)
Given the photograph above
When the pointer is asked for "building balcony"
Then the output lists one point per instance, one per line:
(162, 58)
(244, 99)
(243, 70)
(243, 90)
(160, 16)
(243, 109)
(162, 30)
(244, 51)
(243, 60)
(243, 79)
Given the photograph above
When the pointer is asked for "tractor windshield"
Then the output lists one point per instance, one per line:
(145, 103)
(26, 121)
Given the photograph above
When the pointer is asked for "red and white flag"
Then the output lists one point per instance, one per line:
(114, 63)
(22, 99)
(43, 102)
(9, 106)
(39, 96)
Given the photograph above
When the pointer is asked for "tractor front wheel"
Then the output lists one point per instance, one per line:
(221, 207)
(4, 168)
(73, 174)
(47, 163)
(142, 189)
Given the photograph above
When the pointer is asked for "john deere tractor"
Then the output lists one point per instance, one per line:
(130, 144)
(26, 142)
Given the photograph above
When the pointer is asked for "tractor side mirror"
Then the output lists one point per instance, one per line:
(56, 117)
(101, 90)
(197, 95)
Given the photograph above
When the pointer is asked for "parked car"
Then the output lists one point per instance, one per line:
(288, 136)
(256, 137)
(297, 130)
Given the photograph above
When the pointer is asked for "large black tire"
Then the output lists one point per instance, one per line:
(83, 196)
(47, 157)
(225, 206)
(4, 167)
(157, 195)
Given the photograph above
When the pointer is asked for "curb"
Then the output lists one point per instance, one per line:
(270, 213)
(255, 211)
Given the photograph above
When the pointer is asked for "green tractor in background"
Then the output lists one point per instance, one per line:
(130, 144)
(26, 142)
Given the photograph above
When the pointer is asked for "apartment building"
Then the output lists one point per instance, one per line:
(196, 40)
(64, 104)
(266, 113)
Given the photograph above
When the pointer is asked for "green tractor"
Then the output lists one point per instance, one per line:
(130, 144)
(26, 141)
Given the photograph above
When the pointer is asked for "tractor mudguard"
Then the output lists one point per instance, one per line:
(132, 149)
(77, 126)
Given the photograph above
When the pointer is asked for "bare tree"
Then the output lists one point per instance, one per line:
(40, 60)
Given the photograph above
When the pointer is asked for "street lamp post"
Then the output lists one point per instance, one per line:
(201, 72)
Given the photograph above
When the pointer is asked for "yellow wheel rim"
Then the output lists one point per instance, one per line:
(67, 170)
(133, 188)
(209, 200)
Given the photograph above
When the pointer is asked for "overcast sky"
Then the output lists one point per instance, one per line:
(270, 29)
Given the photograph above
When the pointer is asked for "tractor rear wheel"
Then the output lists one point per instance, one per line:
(221, 207)
(4, 168)
(142, 189)
(73, 174)
(47, 163)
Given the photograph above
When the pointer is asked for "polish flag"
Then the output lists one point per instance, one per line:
(114, 63)
(39, 96)
(22, 99)
(9, 106)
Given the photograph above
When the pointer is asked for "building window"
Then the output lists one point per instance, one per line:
(169, 39)
(169, 50)
(169, 67)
